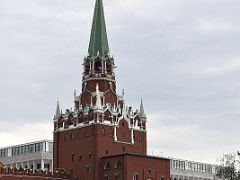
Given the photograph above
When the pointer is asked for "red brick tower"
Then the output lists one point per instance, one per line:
(100, 124)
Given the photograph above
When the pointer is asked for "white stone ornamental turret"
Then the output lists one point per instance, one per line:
(58, 112)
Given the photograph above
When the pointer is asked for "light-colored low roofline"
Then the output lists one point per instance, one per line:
(191, 161)
(7, 147)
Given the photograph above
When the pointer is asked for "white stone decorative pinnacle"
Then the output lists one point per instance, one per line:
(58, 112)
(141, 111)
(75, 93)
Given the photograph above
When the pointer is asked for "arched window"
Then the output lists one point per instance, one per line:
(107, 165)
(98, 66)
(109, 67)
(118, 164)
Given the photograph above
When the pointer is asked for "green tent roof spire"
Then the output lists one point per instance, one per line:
(98, 41)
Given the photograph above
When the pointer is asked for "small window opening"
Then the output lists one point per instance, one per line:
(72, 157)
(135, 176)
(109, 68)
(89, 155)
(118, 165)
(107, 165)
(106, 177)
(98, 66)
(71, 136)
(88, 169)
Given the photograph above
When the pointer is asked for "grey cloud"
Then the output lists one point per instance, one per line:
(182, 57)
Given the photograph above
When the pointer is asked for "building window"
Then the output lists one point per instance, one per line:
(106, 151)
(118, 165)
(38, 166)
(72, 157)
(98, 66)
(123, 149)
(107, 165)
(3, 153)
(46, 166)
(109, 67)
(88, 169)
(135, 176)
(71, 136)
(89, 155)
(80, 158)
(50, 147)
(106, 177)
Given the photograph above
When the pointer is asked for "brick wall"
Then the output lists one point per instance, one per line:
(145, 167)
(20, 173)
(79, 150)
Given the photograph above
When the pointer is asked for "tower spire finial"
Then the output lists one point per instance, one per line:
(58, 112)
(98, 40)
(141, 111)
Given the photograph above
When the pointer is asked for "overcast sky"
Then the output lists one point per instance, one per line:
(182, 57)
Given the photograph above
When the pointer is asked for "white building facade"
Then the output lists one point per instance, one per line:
(190, 170)
(34, 155)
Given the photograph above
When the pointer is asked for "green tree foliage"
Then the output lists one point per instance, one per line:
(229, 169)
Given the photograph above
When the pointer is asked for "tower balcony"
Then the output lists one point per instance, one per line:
(100, 76)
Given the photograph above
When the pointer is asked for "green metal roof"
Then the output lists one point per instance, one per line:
(98, 41)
